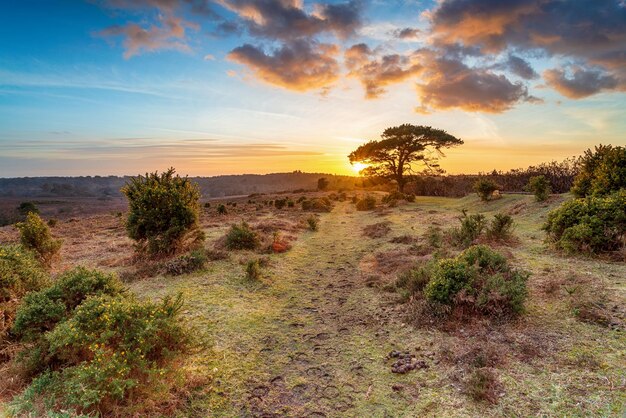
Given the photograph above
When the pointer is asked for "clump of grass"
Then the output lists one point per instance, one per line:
(186, 263)
(241, 237)
(253, 270)
(482, 385)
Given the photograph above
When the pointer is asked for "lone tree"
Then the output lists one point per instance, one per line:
(393, 156)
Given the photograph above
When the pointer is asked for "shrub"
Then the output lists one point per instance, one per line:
(480, 280)
(163, 210)
(393, 196)
(410, 197)
(280, 203)
(501, 227)
(106, 348)
(42, 310)
(52, 222)
(540, 187)
(485, 188)
(20, 273)
(589, 225)
(221, 209)
(312, 223)
(290, 203)
(301, 199)
(187, 263)
(434, 236)
(241, 237)
(471, 228)
(367, 203)
(322, 183)
(354, 199)
(253, 270)
(207, 205)
(35, 235)
(602, 171)
(318, 204)
(27, 207)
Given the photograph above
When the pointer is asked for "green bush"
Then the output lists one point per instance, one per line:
(500, 227)
(207, 205)
(471, 228)
(484, 188)
(187, 263)
(434, 236)
(42, 310)
(602, 171)
(221, 209)
(479, 279)
(540, 187)
(164, 209)
(312, 223)
(27, 207)
(241, 237)
(317, 204)
(35, 235)
(20, 273)
(102, 351)
(589, 225)
(367, 203)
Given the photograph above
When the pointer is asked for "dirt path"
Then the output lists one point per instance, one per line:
(328, 360)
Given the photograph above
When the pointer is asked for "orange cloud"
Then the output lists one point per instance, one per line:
(297, 65)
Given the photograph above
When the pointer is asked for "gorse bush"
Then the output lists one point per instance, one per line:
(472, 226)
(367, 203)
(164, 209)
(280, 203)
(27, 207)
(35, 235)
(602, 171)
(479, 279)
(540, 187)
(92, 345)
(500, 227)
(589, 225)
(241, 237)
(41, 311)
(20, 273)
(484, 188)
(253, 270)
(434, 236)
(221, 209)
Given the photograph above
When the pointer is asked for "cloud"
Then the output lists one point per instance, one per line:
(287, 19)
(209, 57)
(298, 65)
(521, 68)
(376, 73)
(448, 83)
(580, 83)
(407, 33)
(171, 35)
(589, 32)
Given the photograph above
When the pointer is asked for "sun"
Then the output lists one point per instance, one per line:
(357, 167)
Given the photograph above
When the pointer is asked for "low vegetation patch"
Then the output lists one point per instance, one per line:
(485, 189)
(312, 223)
(479, 280)
(241, 237)
(540, 187)
(317, 204)
(186, 263)
(474, 227)
(377, 230)
(367, 203)
(91, 347)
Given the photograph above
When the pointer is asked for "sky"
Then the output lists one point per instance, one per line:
(118, 87)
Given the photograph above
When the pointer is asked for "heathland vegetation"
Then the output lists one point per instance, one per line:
(370, 298)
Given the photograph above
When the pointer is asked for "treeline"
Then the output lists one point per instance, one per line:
(560, 175)
(218, 186)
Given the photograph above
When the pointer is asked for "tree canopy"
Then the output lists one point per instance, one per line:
(393, 156)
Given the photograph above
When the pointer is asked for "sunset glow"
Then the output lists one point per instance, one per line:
(245, 86)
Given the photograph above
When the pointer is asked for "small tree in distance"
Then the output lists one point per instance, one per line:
(484, 188)
(540, 187)
(164, 208)
(401, 146)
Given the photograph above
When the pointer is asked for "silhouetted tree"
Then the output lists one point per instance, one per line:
(393, 156)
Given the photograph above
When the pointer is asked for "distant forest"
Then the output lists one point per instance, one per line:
(559, 174)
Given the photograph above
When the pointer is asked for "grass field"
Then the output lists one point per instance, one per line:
(311, 338)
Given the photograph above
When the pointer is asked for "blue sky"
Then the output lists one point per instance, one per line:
(240, 86)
